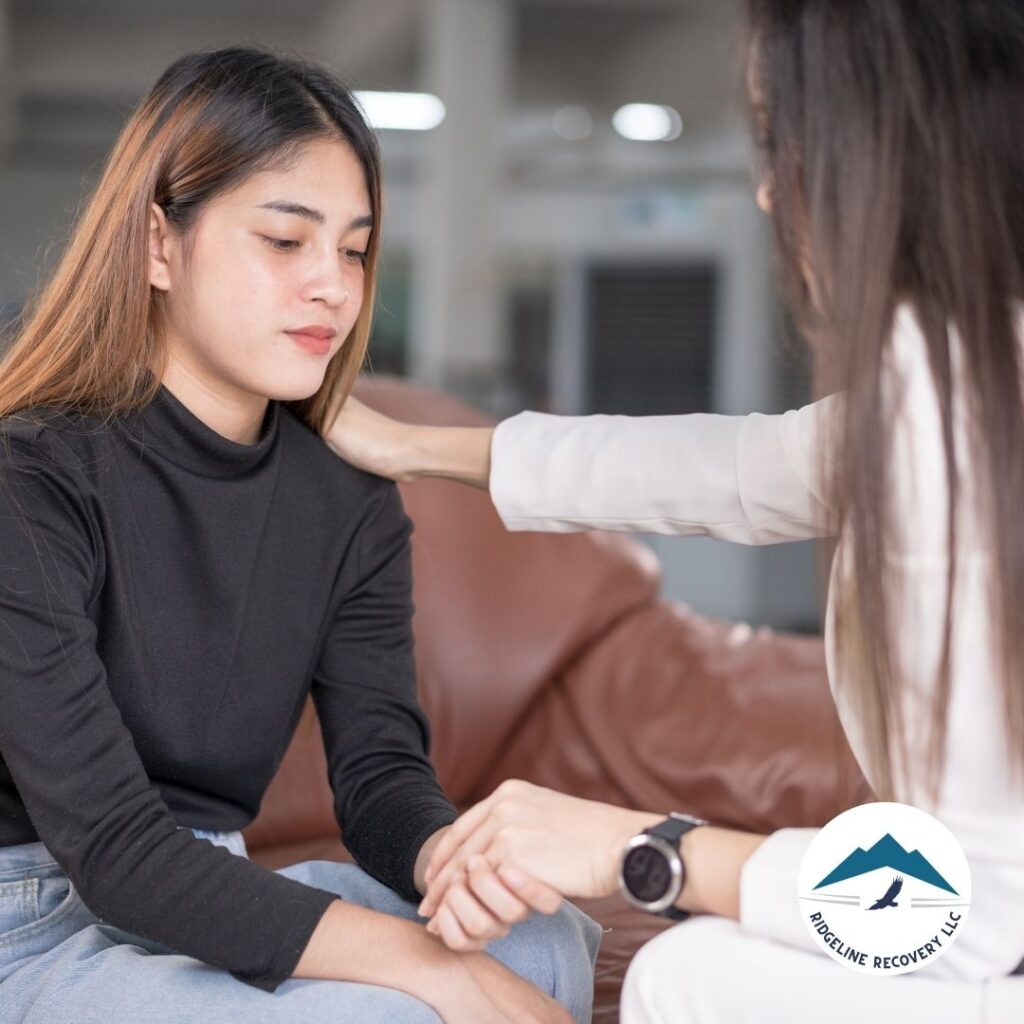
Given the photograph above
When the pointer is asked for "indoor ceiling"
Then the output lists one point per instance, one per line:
(73, 68)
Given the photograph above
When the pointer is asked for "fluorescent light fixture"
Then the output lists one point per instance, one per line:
(404, 111)
(648, 122)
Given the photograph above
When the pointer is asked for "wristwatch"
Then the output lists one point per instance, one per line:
(652, 873)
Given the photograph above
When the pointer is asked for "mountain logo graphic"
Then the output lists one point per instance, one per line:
(884, 888)
(886, 853)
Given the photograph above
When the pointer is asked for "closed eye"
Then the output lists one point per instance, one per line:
(289, 245)
(280, 244)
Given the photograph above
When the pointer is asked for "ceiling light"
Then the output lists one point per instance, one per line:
(648, 122)
(404, 111)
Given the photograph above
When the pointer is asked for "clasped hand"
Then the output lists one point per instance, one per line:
(522, 849)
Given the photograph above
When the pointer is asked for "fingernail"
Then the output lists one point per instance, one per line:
(514, 877)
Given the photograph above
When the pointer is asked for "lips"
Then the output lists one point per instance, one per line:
(313, 338)
(315, 331)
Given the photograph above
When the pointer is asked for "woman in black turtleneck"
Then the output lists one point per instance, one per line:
(183, 561)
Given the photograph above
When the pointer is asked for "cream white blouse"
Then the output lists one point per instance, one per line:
(756, 480)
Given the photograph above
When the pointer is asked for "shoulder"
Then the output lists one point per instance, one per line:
(53, 452)
(40, 434)
(336, 481)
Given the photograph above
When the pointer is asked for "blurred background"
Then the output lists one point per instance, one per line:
(570, 216)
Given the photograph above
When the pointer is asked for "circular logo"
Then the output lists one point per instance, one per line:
(884, 888)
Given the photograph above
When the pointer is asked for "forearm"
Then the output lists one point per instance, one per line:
(406, 451)
(352, 943)
(455, 453)
(714, 859)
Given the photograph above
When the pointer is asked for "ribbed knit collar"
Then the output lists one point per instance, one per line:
(170, 429)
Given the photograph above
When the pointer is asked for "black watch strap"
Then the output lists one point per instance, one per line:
(672, 829)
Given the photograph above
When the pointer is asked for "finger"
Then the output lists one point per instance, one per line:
(476, 921)
(451, 931)
(436, 889)
(534, 893)
(460, 831)
(493, 894)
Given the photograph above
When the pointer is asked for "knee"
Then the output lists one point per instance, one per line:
(556, 952)
(570, 937)
(352, 884)
(578, 930)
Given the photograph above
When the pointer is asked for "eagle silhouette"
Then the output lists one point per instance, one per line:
(889, 899)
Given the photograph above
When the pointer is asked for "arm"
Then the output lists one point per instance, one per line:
(75, 764)
(80, 777)
(464, 988)
(387, 798)
(525, 833)
(752, 479)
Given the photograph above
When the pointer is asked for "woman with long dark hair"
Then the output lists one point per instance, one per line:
(890, 134)
(183, 561)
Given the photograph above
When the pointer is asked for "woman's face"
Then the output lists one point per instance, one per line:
(284, 250)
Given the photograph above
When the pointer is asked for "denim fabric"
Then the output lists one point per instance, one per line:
(59, 963)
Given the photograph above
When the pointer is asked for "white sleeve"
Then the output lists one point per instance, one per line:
(751, 479)
(769, 886)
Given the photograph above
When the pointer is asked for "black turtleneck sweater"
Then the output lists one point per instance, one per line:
(168, 599)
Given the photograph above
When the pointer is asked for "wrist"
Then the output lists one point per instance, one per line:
(462, 454)
(435, 974)
(714, 858)
(452, 981)
(423, 859)
(628, 825)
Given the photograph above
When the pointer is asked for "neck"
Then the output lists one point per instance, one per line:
(235, 414)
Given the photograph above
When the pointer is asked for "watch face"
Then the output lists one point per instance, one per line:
(647, 874)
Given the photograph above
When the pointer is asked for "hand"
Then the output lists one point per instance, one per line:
(572, 845)
(481, 904)
(479, 990)
(371, 441)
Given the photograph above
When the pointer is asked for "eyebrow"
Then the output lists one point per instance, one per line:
(309, 213)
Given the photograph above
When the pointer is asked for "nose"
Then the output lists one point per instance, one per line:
(764, 195)
(330, 281)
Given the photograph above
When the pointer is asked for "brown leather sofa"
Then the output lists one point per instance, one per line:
(552, 658)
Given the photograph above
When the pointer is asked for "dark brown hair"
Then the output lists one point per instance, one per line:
(891, 138)
(89, 338)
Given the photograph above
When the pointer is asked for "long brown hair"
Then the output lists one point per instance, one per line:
(91, 337)
(890, 133)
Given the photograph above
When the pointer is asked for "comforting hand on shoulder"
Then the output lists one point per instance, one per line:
(370, 440)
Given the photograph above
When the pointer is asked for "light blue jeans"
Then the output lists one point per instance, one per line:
(60, 964)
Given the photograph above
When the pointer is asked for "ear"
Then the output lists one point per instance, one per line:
(160, 242)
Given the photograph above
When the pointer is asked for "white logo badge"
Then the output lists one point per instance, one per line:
(885, 888)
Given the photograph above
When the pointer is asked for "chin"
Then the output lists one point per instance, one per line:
(292, 387)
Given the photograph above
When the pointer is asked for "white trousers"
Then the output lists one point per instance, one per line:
(709, 971)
